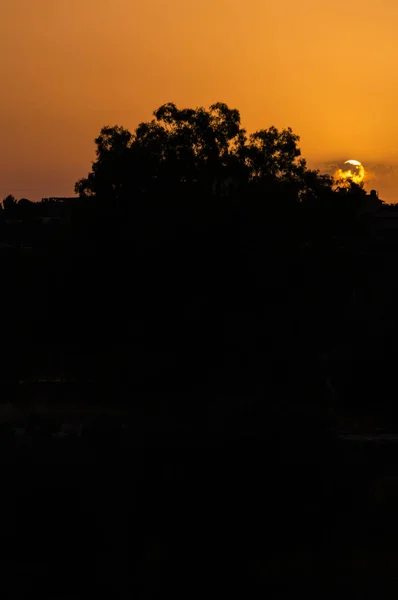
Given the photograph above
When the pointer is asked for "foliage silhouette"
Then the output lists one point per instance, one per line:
(196, 151)
(9, 202)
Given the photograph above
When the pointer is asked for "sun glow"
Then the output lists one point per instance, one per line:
(354, 172)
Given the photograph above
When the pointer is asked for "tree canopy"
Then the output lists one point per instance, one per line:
(200, 151)
(9, 202)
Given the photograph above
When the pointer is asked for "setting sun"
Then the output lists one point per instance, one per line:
(354, 171)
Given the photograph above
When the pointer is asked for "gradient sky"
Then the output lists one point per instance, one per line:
(327, 69)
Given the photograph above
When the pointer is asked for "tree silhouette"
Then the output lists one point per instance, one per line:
(9, 202)
(110, 170)
(26, 208)
(196, 151)
(349, 187)
(274, 155)
(24, 202)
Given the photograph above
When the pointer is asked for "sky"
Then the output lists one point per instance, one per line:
(327, 69)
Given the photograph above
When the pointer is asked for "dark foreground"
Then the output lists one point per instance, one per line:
(106, 506)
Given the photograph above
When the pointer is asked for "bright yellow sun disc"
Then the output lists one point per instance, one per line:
(354, 171)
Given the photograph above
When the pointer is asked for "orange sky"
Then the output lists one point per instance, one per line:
(68, 67)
